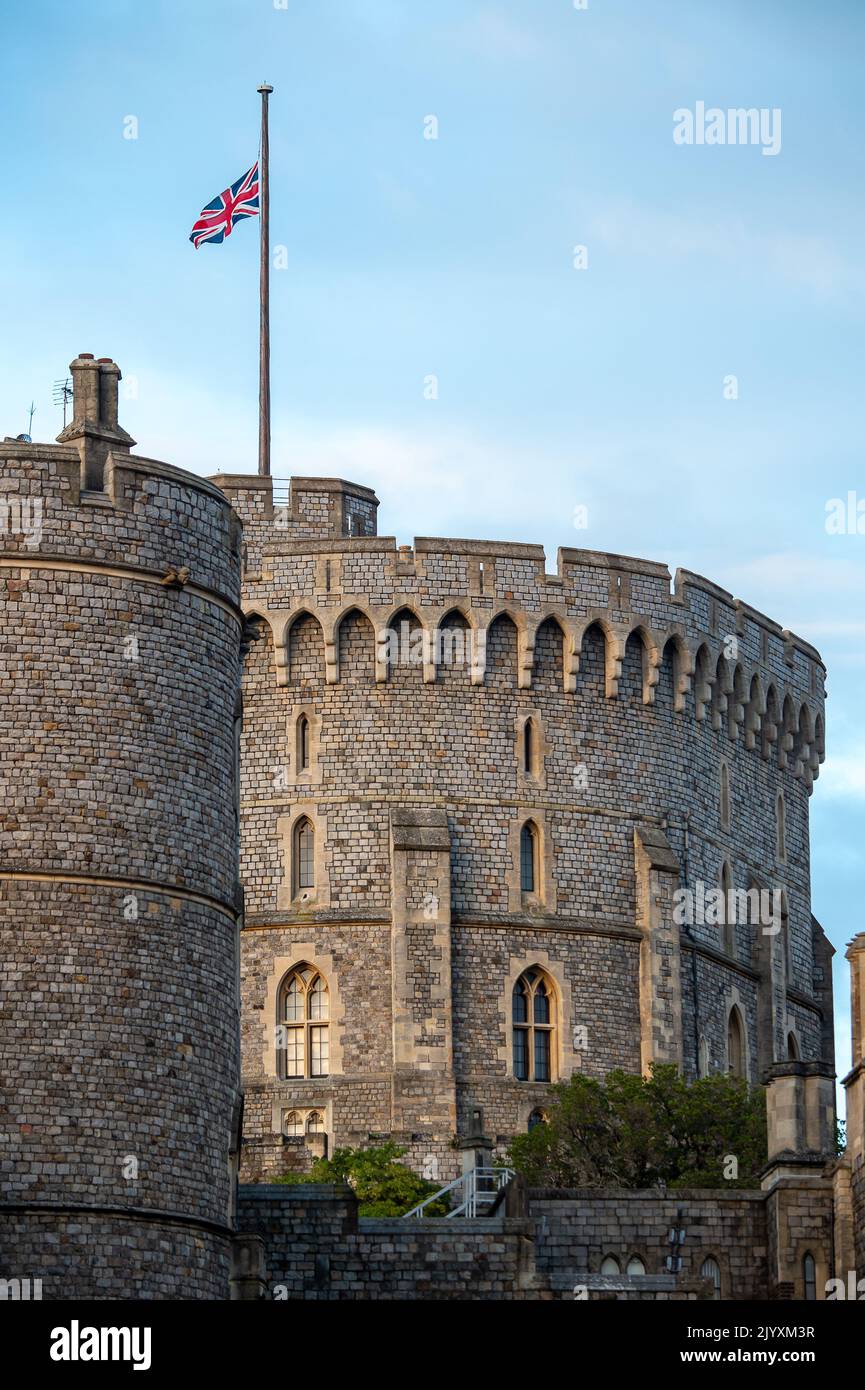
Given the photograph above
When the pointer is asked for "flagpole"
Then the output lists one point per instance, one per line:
(264, 294)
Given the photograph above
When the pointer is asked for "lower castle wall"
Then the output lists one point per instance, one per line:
(316, 1247)
(576, 1230)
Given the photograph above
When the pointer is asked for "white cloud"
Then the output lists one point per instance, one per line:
(807, 259)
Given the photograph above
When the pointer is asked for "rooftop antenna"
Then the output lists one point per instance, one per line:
(63, 395)
(30, 422)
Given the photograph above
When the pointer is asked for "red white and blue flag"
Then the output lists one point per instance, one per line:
(218, 218)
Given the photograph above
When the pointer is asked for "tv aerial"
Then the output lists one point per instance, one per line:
(62, 394)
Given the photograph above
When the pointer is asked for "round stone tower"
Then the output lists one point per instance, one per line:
(119, 894)
(501, 825)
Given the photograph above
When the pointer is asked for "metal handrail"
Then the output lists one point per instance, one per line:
(475, 1195)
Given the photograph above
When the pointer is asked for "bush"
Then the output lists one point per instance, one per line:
(383, 1186)
(636, 1131)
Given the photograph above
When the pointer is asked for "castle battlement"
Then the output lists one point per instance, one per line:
(764, 685)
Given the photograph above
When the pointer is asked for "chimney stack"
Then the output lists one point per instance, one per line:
(93, 427)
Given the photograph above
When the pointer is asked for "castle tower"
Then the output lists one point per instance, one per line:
(119, 898)
(472, 792)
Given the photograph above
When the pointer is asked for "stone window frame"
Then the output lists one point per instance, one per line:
(564, 1062)
(305, 1108)
(543, 899)
(536, 779)
(306, 1024)
(733, 1000)
(529, 1027)
(303, 953)
(310, 776)
(286, 895)
(729, 942)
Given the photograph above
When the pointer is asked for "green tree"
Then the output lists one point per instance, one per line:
(383, 1186)
(642, 1131)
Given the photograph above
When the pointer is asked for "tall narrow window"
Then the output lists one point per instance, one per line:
(792, 1048)
(728, 928)
(303, 744)
(304, 1013)
(529, 858)
(735, 1044)
(304, 855)
(781, 827)
(610, 1265)
(809, 1276)
(529, 746)
(533, 1010)
(725, 796)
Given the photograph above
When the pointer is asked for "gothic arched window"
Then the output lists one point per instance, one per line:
(735, 1044)
(809, 1276)
(529, 746)
(533, 1008)
(304, 855)
(304, 1013)
(610, 1265)
(303, 748)
(529, 857)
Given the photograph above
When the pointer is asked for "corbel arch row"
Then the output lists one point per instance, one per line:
(733, 695)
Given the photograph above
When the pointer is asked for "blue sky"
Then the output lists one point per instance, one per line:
(408, 257)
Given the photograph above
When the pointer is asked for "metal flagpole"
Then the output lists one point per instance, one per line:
(264, 281)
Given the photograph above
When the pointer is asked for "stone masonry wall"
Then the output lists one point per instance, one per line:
(638, 696)
(118, 878)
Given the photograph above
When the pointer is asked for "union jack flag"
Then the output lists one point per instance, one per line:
(217, 219)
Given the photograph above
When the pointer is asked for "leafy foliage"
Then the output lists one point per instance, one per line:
(383, 1185)
(636, 1131)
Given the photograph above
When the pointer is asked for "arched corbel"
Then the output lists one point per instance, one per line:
(382, 642)
(651, 670)
(571, 660)
(525, 656)
(614, 656)
(683, 667)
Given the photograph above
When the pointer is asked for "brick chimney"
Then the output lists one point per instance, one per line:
(93, 427)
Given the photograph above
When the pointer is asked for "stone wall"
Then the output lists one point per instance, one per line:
(575, 1231)
(316, 1246)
